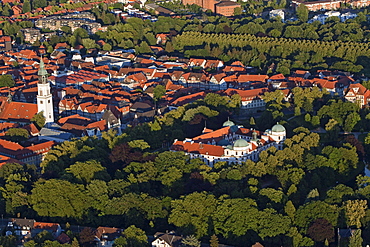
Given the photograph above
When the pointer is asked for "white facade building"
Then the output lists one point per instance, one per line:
(44, 96)
(277, 13)
(232, 144)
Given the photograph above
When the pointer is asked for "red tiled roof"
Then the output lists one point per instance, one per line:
(247, 78)
(214, 135)
(198, 148)
(46, 226)
(31, 128)
(246, 94)
(5, 125)
(237, 63)
(18, 111)
(42, 147)
(101, 125)
(277, 77)
(76, 116)
(188, 98)
(63, 238)
(5, 160)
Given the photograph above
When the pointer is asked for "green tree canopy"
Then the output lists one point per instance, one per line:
(17, 134)
(6, 81)
(39, 120)
(59, 198)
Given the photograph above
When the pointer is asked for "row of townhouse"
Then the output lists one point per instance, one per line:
(27, 229)
(330, 4)
(38, 13)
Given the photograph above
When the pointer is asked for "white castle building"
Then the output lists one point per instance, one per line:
(231, 143)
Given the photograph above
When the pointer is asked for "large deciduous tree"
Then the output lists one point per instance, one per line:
(355, 210)
(302, 13)
(59, 198)
(320, 230)
(88, 170)
(193, 213)
(6, 80)
(133, 237)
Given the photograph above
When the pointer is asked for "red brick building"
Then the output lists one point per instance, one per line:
(209, 4)
(206, 4)
(226, 8)
(190, 2)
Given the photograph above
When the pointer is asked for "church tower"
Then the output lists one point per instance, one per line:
(44, 97)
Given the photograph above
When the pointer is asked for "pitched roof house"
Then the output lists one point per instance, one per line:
(168, 239)
(357, 93)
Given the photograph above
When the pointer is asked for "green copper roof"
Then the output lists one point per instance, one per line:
(228, 123)
(241, 143)
(42, 70)
(278, 128)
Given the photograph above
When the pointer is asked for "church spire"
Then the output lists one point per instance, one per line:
(42, 72)
(44, 96)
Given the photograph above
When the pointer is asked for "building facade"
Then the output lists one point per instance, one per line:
(226, 8)
(44, 96)
(231, 143)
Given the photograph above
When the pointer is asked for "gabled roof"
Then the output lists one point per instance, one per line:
(192, 75)
(31, 128)
(188, 98)
(101, 125)
(213, 63)
(170, 238)
(108, 233)
(46, 226)
(214, 135)
(233, 69)
(237, 63)
(357, 89)
(277, 77)
(73, 118)
(219, 76)
(63, 238)
(197, 61)
(252, 78)
(246, 94)
(18, 111)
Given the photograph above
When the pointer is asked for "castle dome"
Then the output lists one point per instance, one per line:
(278, 128)
(228, 123)
(240, 143)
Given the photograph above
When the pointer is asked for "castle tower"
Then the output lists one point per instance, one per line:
(44, 97)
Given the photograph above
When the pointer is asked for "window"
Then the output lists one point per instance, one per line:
(41, 102)
(40, 92)
(49, 101)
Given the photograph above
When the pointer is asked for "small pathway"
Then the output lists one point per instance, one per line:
(356, 134)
